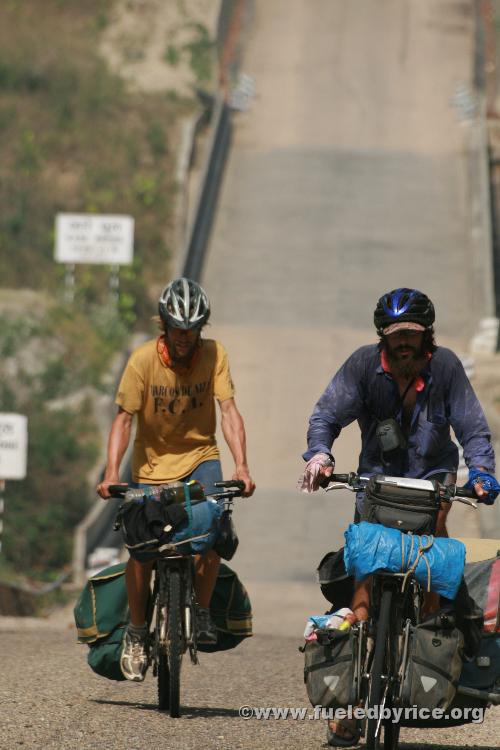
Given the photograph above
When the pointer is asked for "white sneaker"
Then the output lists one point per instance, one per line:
(134, 659)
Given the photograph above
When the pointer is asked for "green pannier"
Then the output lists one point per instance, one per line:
(231, 611)
(104, 655)
(103, 605)
(101, 617)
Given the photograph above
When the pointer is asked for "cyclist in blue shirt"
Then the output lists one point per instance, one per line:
(424, 389)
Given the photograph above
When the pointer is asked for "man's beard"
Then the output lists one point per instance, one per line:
(409, 367)
(183, 360)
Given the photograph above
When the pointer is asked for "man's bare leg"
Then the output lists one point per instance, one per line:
(359, 604)
(431, 598)
(361, 598)
(137, 579)
(206, 568)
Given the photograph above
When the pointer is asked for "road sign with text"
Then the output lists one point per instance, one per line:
(93, 238)
(13, 446)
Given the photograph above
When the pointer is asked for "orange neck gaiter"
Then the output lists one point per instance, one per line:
(166, 359)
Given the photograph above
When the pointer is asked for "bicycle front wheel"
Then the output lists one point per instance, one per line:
(376, 689)
(169, 666)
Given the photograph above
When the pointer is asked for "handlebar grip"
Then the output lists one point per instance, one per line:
(117, 490)
(463, 492)
(231, 483)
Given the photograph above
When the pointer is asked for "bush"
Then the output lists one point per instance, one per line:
(47, 359)
(42, 510)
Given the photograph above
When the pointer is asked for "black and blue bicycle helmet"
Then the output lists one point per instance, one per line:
(403, 306)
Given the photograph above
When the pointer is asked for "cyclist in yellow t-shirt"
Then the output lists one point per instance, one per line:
(171, 384)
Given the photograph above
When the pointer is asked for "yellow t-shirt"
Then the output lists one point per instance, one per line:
(175, 410)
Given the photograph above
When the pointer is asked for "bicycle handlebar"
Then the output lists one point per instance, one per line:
(117, 490)
(354, 482)
(231, 483)
(344, 478)
(463, 492)
(232, 488)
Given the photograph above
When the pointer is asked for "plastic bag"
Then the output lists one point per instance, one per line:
(371, 547)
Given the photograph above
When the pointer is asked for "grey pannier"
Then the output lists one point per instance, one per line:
(329, 668)
(433, 667)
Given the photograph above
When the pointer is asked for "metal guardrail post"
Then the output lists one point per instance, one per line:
(196, 245)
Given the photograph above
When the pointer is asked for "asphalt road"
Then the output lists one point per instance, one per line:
(50, 700)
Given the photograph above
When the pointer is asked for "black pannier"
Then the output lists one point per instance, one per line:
(329, 668)
(336, 585)
(434, 664)
(467, 615)
(407, 509)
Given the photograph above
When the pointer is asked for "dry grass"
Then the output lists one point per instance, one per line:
(74, 139)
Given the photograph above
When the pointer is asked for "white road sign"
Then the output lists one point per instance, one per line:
(13, 446)
(93, 238)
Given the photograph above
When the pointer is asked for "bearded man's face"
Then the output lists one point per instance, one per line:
(405, 352)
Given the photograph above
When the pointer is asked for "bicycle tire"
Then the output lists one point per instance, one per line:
(163, 683)
(392, 730)
(391, 735)
(400, 610)
(163, 672)
(157, 601)
(174, 636)
(379, 656)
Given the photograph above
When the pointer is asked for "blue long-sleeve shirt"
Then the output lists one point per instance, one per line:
(362, 390)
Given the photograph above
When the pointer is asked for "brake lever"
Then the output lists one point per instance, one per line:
(466, 501)
(343, 486)
(447, 495)
(223, 495)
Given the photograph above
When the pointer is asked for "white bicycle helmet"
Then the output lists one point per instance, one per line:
(184, 304)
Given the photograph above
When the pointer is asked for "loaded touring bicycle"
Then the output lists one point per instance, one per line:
(400, 667)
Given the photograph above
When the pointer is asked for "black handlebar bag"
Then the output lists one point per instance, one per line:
(408, 509)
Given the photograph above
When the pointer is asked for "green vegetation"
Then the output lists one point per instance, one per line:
(74, 139)
(198, 51)
(42, 360)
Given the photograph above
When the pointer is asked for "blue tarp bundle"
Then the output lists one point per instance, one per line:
(371, 547)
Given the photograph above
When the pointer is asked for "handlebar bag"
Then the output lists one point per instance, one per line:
(433, 667)
(329, 668)
(151, 527)
(409, 510)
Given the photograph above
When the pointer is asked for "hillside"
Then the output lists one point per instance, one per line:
(77, 136)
